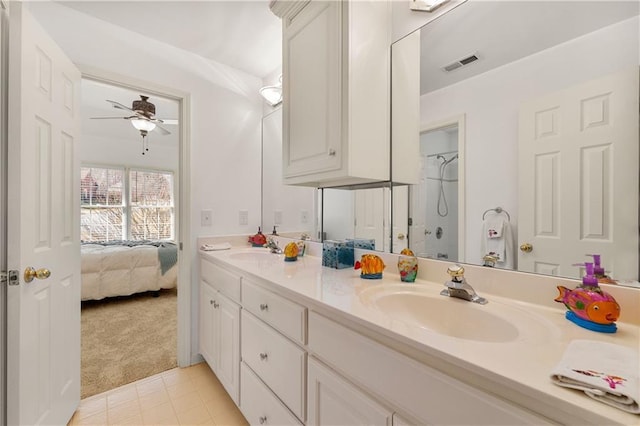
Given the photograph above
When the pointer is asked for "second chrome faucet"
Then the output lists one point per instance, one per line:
(458, 286)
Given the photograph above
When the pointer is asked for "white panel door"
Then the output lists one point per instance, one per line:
(369, 212)
(400, 231)
(43, 316)
(228, 368)
(578, 151)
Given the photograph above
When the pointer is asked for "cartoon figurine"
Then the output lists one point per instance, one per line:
(291, 252)
(371, 266)
(589, 306)
(258, 240)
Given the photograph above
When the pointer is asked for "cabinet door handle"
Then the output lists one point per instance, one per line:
(211, 302)
(332, 152)
(264, 307)
(262, 419)
(263, 356)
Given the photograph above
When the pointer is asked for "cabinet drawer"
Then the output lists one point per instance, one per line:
(259, 405)
(224, 281)
(413, 388)
(284, 315)
(280, 363)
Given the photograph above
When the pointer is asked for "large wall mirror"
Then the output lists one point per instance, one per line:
(527, 134)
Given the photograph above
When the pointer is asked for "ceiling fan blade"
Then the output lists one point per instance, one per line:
(168, 121)
(120, 106)
(162, 130)
(109, 118)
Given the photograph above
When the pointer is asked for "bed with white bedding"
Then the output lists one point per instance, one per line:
(127, 267)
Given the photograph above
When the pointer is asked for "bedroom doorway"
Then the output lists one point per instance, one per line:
(133, 182)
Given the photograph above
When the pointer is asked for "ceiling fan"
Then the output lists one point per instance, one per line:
(143, 118)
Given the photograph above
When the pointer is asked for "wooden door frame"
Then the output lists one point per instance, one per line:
(183, 197)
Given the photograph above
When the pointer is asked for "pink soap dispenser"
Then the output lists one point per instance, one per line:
(599, 272)
(588, 306)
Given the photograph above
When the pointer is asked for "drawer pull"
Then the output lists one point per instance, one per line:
(263, 356)
(264, 307)
(262, 419)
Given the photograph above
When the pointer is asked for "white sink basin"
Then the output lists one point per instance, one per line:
(422, 307)
(255, 255)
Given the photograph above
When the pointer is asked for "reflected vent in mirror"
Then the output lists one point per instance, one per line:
(460, 62)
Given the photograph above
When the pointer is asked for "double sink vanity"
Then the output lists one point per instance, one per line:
(299, 343)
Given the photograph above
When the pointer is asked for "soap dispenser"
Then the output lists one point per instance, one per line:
(599, 272)
(588, 305)
(258, 240)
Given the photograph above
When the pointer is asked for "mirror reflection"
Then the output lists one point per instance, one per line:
(357, 213)
(527, 135)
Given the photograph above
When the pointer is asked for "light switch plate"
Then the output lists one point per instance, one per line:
(304, 216)
(206, 218)
(243, 217)
(277, 217)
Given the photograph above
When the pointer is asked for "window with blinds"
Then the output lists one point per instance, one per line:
(131, 204)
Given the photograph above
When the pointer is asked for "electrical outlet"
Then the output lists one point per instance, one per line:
(277, 217)
(304, 216)
(206, 218)
(243, 217)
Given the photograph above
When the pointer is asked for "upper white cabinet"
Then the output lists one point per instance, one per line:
(336, 91)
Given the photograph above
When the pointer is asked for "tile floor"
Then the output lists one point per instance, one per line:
(181, 396)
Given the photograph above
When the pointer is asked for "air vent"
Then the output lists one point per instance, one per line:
(460, 62)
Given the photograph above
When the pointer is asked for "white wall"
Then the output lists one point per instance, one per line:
(289, 201)
(491, 102)
(226, 111)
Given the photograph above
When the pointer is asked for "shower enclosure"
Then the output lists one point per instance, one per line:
(435, 199)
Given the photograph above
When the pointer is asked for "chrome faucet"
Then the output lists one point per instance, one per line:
(458, 286)
(272, 245)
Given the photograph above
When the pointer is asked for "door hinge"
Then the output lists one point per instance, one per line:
(180, 246)
(10, 277)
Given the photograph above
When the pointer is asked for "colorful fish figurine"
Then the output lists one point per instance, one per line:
(371, 266)
(291, 252)
(590, 303)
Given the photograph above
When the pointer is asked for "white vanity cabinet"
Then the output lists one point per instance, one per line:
(334, 401)
(414, 390)
(272, 332)
(220, 325)
(336, 91)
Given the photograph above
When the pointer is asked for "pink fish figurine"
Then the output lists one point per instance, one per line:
(590, 304)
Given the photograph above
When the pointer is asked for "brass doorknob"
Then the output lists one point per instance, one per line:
(30, 273)
(526, 248)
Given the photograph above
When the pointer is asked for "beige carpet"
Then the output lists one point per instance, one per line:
(125, 339)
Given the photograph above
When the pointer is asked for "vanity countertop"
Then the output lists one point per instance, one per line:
(519, 366)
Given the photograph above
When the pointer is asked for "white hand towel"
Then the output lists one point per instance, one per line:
(493, 241)
(607, 372)
(214, 247)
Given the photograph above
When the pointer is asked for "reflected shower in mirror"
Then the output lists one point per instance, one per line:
(547, 94)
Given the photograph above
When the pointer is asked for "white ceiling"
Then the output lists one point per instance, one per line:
(500, 32)
(243, 34)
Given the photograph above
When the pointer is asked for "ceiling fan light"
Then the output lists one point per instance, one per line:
(141, 124)
(272, 94)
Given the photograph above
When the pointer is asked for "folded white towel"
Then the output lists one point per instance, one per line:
(497, 240)
(606, 372)
(214, 247)
(493, 226)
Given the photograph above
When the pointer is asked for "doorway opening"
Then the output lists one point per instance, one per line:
(131, 226)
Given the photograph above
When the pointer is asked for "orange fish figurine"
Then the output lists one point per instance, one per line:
(589, 306)
(371, 267)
